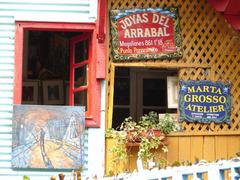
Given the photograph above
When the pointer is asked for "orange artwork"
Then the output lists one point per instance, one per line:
(48, 137)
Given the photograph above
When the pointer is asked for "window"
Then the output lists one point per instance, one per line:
(138, 91)
(55, 64)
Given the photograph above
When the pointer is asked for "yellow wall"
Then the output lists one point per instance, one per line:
(211, 52)
(183, 148)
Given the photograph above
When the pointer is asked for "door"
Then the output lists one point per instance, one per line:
(79, 71)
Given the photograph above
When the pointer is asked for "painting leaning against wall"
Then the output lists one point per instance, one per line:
(48, 137)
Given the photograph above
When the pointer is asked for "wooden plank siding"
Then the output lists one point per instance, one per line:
(52, 10)
(7, 27)
(186, 149)
(38, 10)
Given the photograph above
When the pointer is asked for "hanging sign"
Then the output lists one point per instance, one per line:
(145, 34)
(205, 101)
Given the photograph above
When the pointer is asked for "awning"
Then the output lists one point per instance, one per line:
(230, 9)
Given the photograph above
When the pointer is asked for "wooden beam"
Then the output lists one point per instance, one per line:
(102, 5)
(111, 95)
(220, 133)
(160, 65)
(17, 99)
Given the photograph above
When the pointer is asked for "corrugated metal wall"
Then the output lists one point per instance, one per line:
(11, 10)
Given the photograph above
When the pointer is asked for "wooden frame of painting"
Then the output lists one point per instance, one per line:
(30, 92)
(53, 92)
(172, 91)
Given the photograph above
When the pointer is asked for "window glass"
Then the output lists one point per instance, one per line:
(80, 76)
(122, 91)
(81, 51)
(119, 114)
(154, 92)
(80, 98)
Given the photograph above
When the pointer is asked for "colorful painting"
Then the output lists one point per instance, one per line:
(205, 101)
(48, 136)
(145, 34)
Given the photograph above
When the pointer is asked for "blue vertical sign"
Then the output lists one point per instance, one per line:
(205, 101)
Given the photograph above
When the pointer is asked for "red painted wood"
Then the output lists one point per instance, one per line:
(51, 26)
(234, 21)
(77, 65)
(101, 60)
(101, 45)
(91, 123)
(17, 95)
(91, 80)
(91, 113)
(94, 89)
(233, 8)
(219, 5)
(71, 74)
(102, 6)
(81, 88)
(230, 9)
(73, 65)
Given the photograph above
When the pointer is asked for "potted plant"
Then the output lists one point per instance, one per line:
(167, 124)
(149, 132)
(149, 124)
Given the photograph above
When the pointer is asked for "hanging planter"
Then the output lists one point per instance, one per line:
(149, 133)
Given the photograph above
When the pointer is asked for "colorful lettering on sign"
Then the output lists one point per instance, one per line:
(152, 32)
(204, 101)
(145, 33)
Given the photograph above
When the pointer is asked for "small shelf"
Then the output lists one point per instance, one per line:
(133, 144)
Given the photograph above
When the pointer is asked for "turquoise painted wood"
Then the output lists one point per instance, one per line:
(51, 10)
(37, 10)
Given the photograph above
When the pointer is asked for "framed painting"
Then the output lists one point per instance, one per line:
(49, 137)
(53, 92)
(30, 92)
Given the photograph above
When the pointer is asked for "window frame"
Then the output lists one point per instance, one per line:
(93, 116)
(136, 76)
(75, 65)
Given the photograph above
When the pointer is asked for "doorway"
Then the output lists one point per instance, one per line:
(138, 91)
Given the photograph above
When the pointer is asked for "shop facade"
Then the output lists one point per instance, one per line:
(40, 42)
(210, 53)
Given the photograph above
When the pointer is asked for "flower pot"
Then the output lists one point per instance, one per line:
(133, 136)
(154, 133)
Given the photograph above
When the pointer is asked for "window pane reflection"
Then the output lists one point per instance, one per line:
(81, 51)
(80, 98)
